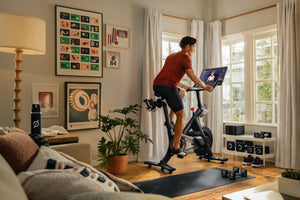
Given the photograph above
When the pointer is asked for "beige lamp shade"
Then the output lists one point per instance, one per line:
(22, 32)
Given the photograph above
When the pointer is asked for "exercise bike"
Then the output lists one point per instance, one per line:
(199, 136)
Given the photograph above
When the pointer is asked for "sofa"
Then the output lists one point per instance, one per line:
(28, 171)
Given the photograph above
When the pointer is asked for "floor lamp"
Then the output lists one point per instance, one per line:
(20, 34)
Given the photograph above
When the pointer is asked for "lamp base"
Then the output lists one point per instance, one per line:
(17, 88)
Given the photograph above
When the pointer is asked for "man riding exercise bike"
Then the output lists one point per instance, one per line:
(166, 82)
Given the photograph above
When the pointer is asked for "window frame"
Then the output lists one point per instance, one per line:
(250, 69)
(257, 36)
(231, 40)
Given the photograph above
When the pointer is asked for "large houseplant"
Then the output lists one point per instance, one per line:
(123, 136)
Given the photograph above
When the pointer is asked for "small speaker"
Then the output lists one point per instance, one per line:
(248, 144)
(240, 145)
(259, 149)
(262, 134)
(235, 129)
(250, 149)
(230, 145)
(258, 135)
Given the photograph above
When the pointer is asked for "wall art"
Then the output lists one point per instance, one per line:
(117, 36)
(82, 105)
(78, 42)
(113, 59)
(47, 97)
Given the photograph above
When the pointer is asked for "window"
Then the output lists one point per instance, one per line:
(233, 86)
(250, 86)
(266, 78)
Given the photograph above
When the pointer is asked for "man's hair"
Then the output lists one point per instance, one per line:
(187, 40)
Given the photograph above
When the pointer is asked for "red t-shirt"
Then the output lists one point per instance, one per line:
(173, 69)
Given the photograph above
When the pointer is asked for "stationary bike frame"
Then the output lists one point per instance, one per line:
(152, 105)
(200, 139)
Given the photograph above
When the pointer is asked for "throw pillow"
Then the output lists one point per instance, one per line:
(10, 187)
(123, 184)
(57, 184)
(18, 149)
(50, 159)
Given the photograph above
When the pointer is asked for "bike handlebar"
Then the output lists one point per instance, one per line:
(195, 89)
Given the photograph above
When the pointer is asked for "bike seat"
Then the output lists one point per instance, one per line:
(158, 95)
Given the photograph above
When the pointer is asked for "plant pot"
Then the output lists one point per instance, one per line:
(289, 186)
(119, 165)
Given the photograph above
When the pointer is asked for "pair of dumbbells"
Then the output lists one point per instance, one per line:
(234, 174)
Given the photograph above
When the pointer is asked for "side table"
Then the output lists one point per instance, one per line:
(62, 139)
(240, 195)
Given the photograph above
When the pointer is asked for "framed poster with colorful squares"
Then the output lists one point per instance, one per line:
(78, 42)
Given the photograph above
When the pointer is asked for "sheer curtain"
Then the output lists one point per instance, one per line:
(213, 58)
(288, 129)
(197, 31)
(152, 122)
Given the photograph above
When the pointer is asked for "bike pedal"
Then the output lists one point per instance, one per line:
(179, 156)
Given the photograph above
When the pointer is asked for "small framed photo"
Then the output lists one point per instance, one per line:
(47, 97)
(117, 36)
(83, 105)
(113, 59)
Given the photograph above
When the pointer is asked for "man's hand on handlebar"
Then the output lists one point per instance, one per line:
(185, 87)
(208, 88)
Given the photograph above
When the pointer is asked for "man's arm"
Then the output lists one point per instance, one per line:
(185, 87)
(196, 80)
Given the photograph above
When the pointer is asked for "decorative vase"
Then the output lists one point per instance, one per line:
(119, 165)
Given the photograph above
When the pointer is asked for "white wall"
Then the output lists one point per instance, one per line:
(221, 9)
(120, 87)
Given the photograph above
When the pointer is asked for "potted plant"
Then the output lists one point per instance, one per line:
(123, 136)
(289, 183)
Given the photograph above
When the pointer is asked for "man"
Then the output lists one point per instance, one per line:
(166, 82)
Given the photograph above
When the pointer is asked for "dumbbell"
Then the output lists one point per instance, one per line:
(233, 175)
(225, 172)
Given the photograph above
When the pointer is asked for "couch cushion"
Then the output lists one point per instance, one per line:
(10, 187)
(18, 149)
(116, 196)
(57, 184)
(51, 159)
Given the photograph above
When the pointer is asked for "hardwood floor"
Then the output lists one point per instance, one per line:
(140, 172)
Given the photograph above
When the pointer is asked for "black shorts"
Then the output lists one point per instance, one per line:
(171, 95)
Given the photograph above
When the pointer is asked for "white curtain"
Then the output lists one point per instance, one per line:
(197, 31)
(152, 123)
(213, 100)
(288, 129)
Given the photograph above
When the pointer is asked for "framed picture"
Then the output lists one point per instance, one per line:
(117, 36)
(82, 105)
(113, 59)
(78, 42)
(47, 97)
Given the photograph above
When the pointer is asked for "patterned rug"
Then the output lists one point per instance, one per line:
(215, 193)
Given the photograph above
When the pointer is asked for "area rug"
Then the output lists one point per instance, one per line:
(176, 185)
(215, 193)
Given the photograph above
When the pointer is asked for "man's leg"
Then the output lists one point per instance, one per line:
(180, 116)
(182, 94)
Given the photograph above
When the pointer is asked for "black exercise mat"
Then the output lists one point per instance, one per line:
(176, 185)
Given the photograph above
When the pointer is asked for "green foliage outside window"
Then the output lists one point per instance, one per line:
(238, 92)
(264, 70)
(264, 91)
